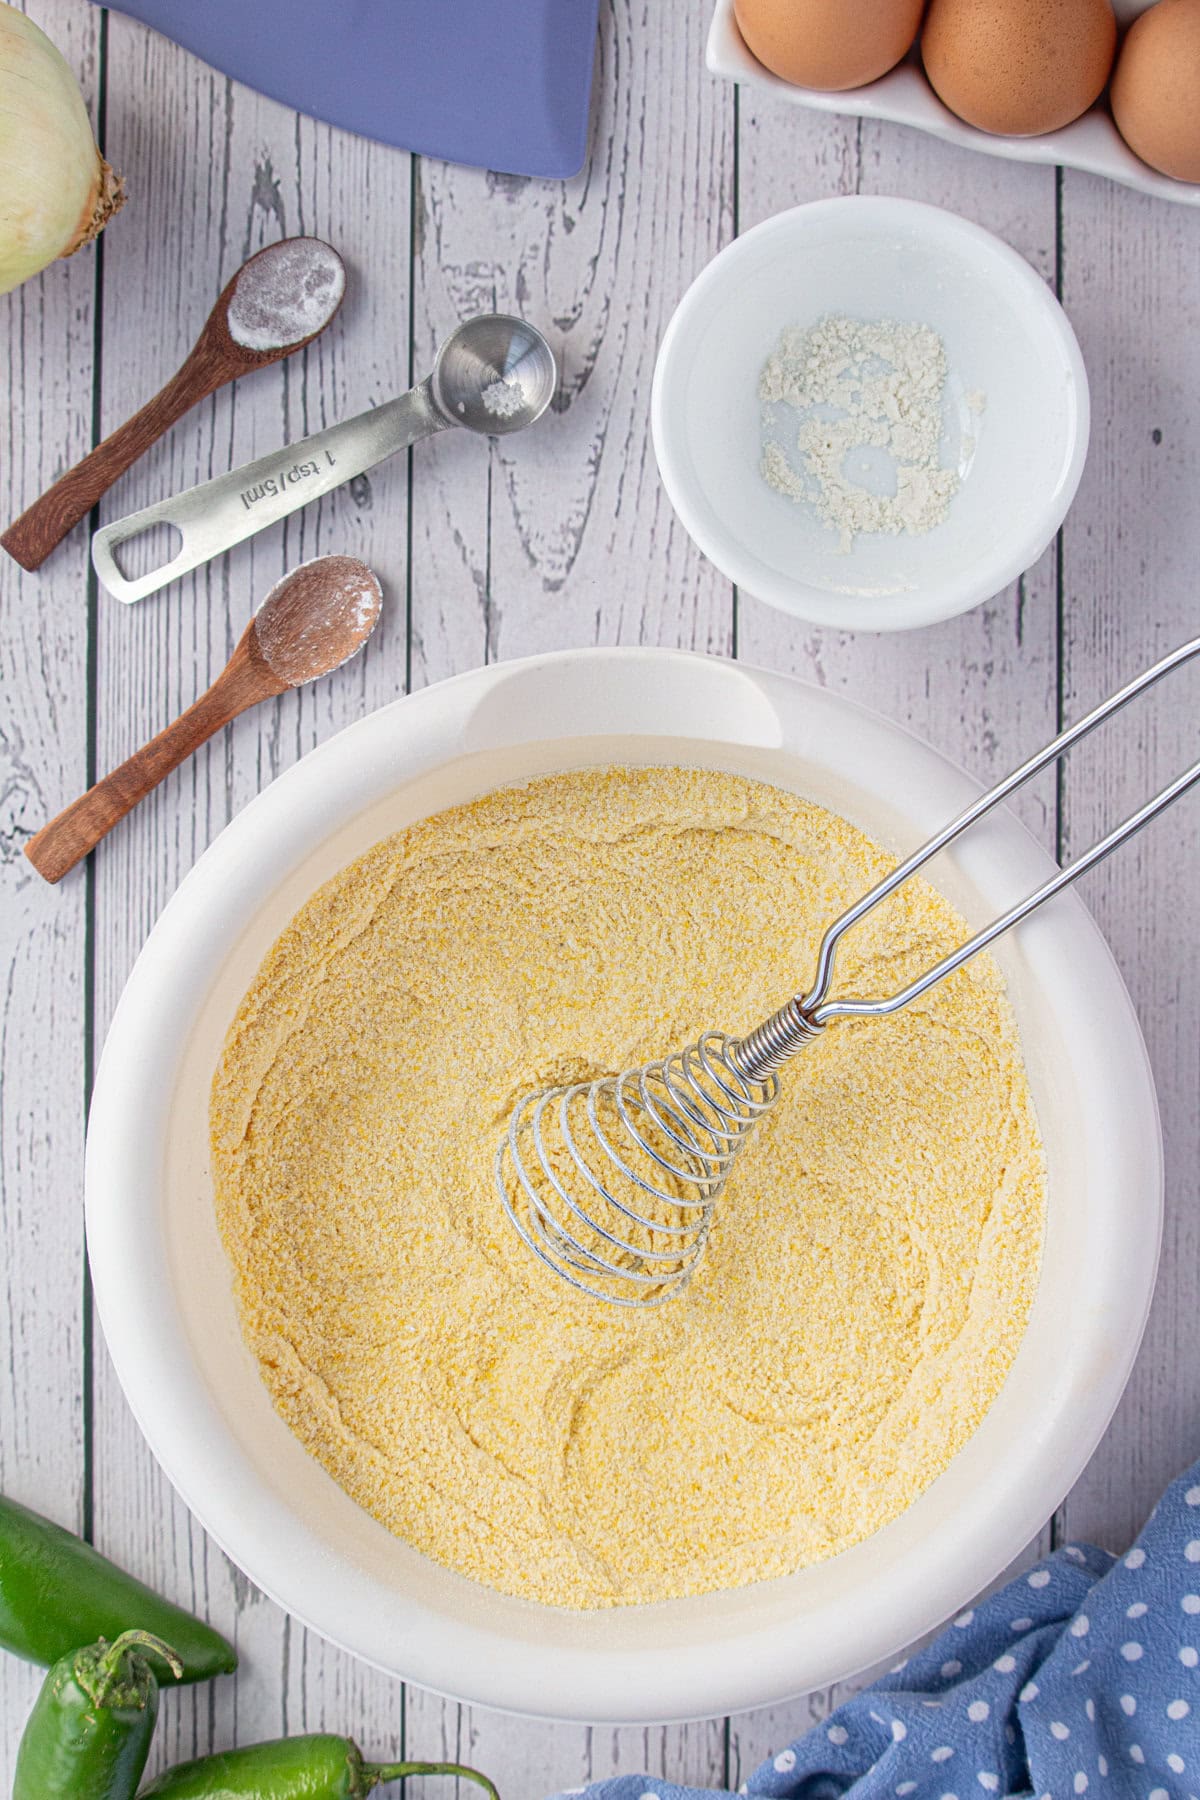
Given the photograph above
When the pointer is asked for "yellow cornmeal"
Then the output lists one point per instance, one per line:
(874, 1258)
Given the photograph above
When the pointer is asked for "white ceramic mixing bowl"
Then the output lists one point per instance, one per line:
(163, 1284)
(1009, 346)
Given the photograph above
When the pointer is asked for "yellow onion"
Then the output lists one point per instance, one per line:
(56, 190)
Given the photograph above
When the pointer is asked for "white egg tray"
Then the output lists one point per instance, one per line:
(905, 97)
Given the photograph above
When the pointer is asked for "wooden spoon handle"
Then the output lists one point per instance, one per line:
(42, 526)
(68, 838)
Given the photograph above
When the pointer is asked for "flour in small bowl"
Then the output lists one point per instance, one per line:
(861, 402)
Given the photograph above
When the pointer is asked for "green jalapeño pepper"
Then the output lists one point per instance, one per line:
(56, 1593)
(89, 1733)
(318, 1767)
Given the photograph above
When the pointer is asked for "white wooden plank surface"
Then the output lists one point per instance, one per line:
(46, 377)
(1131, 280)
(562, 538)
(565, 537)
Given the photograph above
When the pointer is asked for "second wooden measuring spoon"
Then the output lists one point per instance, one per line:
(310, 623)
(279, 300)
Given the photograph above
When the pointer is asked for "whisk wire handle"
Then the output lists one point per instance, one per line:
(817, 1009)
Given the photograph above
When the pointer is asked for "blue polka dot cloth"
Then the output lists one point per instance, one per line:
(1080, 1677)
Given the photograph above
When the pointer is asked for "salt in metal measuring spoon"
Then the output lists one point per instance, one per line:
(494, 374)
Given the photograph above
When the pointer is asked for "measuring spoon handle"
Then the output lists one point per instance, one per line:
(216, 515)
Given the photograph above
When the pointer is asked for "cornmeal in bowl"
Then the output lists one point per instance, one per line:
(872, 1263)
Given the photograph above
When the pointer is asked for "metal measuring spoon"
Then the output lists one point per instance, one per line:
(278, 301)
(494, 374)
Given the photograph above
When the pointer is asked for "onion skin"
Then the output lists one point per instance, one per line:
(56, 190)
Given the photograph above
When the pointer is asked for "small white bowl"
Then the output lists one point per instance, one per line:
(1006, 338)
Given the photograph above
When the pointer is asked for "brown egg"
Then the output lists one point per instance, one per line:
(1018, 67)
(829, 43)
(1156, 88)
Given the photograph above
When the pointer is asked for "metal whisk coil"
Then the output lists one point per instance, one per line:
(613, 1182)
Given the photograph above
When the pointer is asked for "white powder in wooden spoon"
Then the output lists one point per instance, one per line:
(318, 617)
(287, 293)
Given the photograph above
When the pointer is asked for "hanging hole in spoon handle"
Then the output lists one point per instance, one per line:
(278, 301)
(149, 550)
(155, 527)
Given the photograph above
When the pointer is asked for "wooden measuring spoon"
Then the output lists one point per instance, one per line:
(279, 300)
(310, 623)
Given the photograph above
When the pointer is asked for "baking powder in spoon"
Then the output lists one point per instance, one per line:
(286, 294)
(317, 617)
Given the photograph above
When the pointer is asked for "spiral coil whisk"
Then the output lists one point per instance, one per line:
(612, 1183)
(619, 1176)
